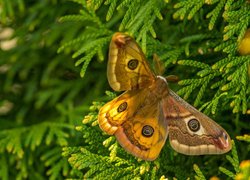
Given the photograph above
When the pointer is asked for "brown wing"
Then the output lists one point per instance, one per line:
(192, 132)
(137, 121)
(127, 65)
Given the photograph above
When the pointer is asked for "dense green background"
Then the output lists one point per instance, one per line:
(53, 60)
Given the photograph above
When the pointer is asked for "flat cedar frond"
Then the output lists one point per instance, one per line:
(199, 175)
(98, 166)
(12, 141)
(246, 138)
(238, 20)
(234, 160)
(244, 170)
(55, 163)
(213, 15)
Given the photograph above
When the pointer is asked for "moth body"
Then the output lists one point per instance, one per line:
(159, 87)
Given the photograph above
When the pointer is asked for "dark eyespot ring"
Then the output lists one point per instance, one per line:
(122, 107)
(132, 64)
(194, 125)
(147, 131)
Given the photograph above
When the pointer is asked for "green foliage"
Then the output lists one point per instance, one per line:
(199, 174)
(244, 138)
(244, 173)
(39, 90)
(42, 97)
(234, 160)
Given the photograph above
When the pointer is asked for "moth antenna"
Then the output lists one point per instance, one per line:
(158, 65)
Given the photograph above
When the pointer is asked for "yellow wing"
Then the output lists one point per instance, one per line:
(127, 65)
(137, 121)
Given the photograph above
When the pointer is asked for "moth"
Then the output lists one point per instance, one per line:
(148, 111)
